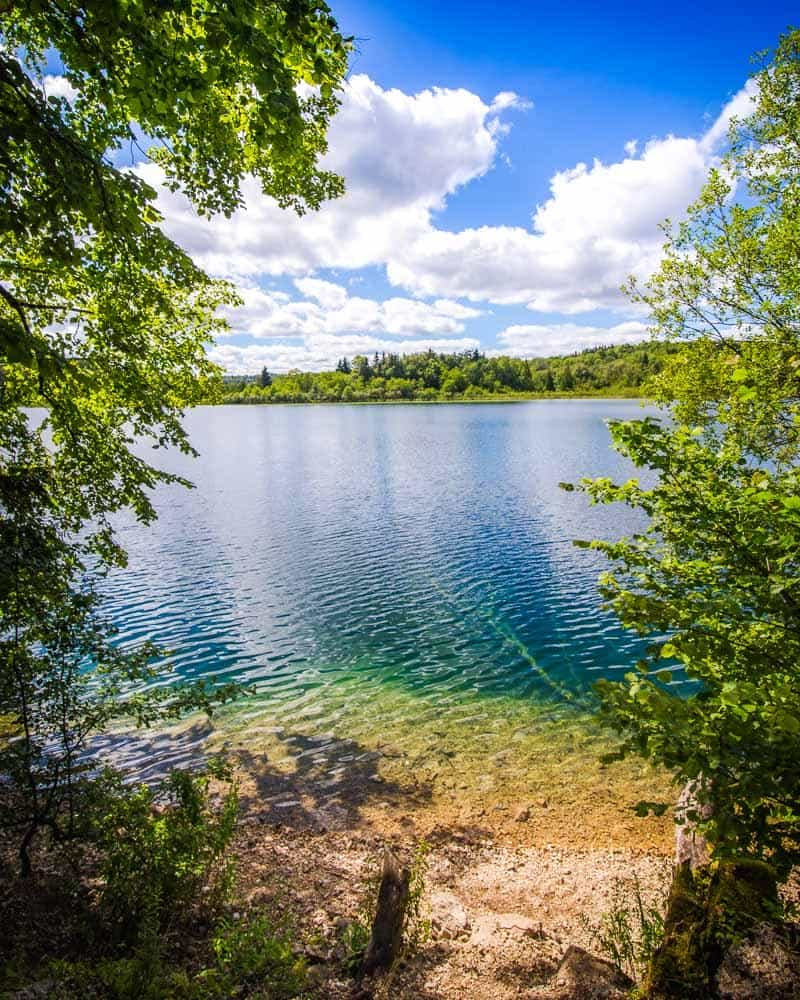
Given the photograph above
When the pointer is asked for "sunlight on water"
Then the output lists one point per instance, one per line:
(405, 570)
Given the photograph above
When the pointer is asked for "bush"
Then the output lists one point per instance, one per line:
(252, 957)
(160, 848)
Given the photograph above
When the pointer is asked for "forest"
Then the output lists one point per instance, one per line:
(623, 370)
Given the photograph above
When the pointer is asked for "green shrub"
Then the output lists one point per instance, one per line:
(161, 848)
(631, 931)
(417, 925)
(254, 957)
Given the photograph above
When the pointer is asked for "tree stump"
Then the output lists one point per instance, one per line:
(387, 928)
(705, 916)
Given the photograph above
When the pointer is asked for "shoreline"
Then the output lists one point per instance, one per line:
(524, 398)
(511, 882)
(535, 780)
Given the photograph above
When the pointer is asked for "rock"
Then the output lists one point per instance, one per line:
(516, 923)
(315, 952)
(590, 978)
(38, 991)
(522, 815)
(762, 966)
(448, 915)
(484, 928)
(491, 930)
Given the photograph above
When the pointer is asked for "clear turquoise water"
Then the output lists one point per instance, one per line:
(424, 550)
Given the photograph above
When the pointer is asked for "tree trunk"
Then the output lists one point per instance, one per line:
(25, 868)
(690, 845)
(387, 928)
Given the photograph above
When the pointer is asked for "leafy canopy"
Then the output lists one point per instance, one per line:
(714, 580)
(102, 316)
(105, 320)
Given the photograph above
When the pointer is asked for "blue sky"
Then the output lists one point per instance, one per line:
(492, 200)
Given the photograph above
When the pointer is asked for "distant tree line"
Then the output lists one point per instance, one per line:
(603, 371)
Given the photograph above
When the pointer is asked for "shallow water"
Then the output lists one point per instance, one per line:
(376, 568)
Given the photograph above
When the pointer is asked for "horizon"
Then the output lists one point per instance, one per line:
(350, 359)
(501, 185)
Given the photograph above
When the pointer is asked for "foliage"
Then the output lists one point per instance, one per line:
(100, 314)
(729, 277)
(630, 931)
(156, 920)
(468, 375)
(255, 955)
(50, 632)
(160, 847)
(715, 578)
(104, 320)
(251, 956)
(417, 925)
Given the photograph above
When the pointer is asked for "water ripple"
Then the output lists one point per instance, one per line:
(343, 552)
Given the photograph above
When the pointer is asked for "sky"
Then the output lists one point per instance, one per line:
(507, 167)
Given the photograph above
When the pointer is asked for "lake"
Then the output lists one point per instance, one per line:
(374, 569)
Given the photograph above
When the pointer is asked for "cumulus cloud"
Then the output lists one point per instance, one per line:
(321, 352)
(541, 340)
(401, 156)
(328, 308)
(739, 106)
(599, 225)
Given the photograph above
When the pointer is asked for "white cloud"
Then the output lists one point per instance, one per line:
(327, 293)
(321, 352)
(329, 309)
(739, 106)
(58, 86)
(401, 156)
(599, 225)
(542, 340)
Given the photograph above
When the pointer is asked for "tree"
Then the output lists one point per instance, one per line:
(101, 315)
(362, 368)
(714, 580)
(105, 320)
(265, 379)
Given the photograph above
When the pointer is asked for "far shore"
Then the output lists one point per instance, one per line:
(521, 398)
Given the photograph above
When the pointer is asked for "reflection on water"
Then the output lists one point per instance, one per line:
(395, 568)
